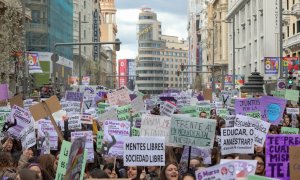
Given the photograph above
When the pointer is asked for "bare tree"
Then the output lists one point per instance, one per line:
(11, 39)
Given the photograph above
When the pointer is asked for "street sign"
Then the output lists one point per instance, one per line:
(281, 84)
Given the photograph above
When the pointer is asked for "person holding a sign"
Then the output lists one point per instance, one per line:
(286, 120)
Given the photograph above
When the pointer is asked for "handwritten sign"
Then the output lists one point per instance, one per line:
(63, 160)
(71, 107)
(242, 106)
(168, 109)
(154, 125)
(138, 104)
(261, 128)
(229, 120)
(119, 97)
(255, 114)
(289, 130)
(144, 151)
(237, 140)
(292, 95)
(108, 115)
(45, 127)
(292, 110)
(277, 155)
(192, 131)
(100, 136)
(74, 96)
(74, 122)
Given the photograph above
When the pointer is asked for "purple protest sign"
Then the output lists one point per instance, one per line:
(74, 96)
(272, 109)
(3, 91)
(277, 154)
(242, 106)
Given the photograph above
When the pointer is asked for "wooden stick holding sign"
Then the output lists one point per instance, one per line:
(45, 109)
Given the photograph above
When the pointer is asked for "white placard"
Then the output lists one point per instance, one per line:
(70, 106)
(144, 151)
(74, 122)
(292, 110)
(138, 104)
(261, 128)
(237, 140)
(168, 109)
(229, 120)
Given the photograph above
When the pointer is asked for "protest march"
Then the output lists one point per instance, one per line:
(123, 134)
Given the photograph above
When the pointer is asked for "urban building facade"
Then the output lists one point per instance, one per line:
(256, 35)
(159, 56)
(291, 28)
(108, 33)
(43, 31)
(126, 73)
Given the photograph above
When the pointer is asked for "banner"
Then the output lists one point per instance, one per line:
(292, 63)
(144, 151)
(46, 128)
(292, 110)
(74, 122)
(4, 92)
(243, 167)
(204, 153)
(63, 160)
(33, 63)
(192, 131)
(114, 134)
(168, 109)
(261, 128)
(74, 81)
(289, 130)
(154, 125)
(71, 106)
(221, 171)
(271, 65)
(229, 120)
(237, 140)
(85, 80)
(89, 145)
(19, 119)
(277, 155)
(119, 97)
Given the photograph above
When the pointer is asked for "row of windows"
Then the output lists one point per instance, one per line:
(153, 45)
(149, 72)
(177, 54)
(150, 58)
(150, 78)
(149, 65)
(146, 17)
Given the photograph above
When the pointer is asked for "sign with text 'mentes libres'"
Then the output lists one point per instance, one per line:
(192, 131)
(144, 151)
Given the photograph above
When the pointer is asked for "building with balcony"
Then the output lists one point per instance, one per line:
(256, 35)
(291, 28)
(52, 22)
(108, 33)
(159, 56)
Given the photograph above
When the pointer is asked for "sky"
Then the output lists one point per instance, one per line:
(171, 13)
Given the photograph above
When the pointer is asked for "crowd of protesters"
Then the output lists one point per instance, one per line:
(16, 163)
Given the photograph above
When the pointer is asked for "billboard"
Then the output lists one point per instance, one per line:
(271, 65)
(123, 69)
(291, 63)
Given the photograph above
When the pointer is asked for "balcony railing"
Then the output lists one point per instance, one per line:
(296, 8)
(291, 41)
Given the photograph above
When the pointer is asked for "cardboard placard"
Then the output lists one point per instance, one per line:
(16, 100)
(294, 154)
(207, 94)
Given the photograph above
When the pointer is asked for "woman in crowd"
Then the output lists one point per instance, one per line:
(260, 168)
(27, 174)
(170, 172)
(47, 162)
(286, 120)
(6, 169)
(188, 176)
(134, 172)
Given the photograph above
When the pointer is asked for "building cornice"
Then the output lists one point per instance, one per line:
(235, 8)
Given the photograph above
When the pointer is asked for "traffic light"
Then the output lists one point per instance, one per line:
(178, 72)
(182, 67)
(290, 80)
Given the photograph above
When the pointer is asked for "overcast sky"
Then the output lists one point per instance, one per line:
(171, 13)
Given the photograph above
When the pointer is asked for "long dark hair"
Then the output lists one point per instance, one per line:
(163, 171)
